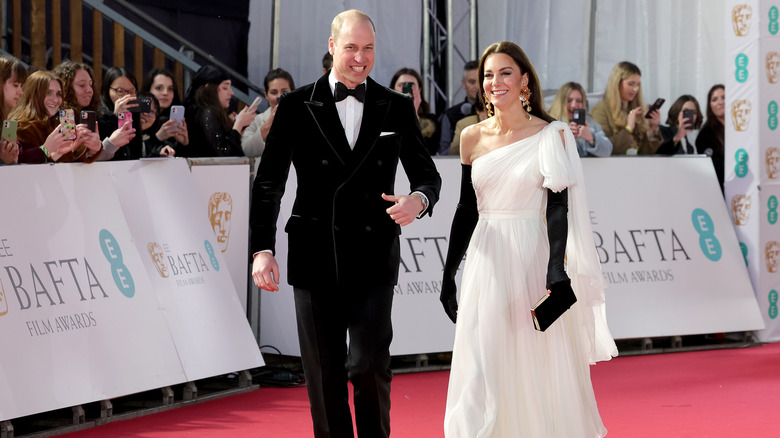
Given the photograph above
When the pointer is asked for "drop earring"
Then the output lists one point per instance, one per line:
(525, 97)
(488, 106)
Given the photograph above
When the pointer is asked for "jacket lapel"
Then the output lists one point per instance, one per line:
(323, 109)
(375, 110)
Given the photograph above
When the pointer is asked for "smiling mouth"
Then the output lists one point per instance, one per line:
(358, 69)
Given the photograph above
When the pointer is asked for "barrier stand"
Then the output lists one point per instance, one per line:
(6, 429)
(190, 391)
(167, 395)
(647, 344)
(106, 410)
(79, 416)
(244, 379)
(676, 342)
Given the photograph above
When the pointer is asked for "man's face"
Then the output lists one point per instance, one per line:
(740, 206)
(772, 256)
(156, 252)
(353, 51)
(470, 83)
(740, 110)
(773, 67)
(740, 18)
(773, 163)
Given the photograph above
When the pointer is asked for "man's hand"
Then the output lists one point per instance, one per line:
(265, 271)
(406, 208)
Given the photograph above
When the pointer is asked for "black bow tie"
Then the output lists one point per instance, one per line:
(342, 92)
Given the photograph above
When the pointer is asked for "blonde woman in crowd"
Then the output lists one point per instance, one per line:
(591, 141)
(621, 113)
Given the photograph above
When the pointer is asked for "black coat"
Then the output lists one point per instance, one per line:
(339, 232)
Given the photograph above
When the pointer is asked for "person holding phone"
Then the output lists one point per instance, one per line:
(684, 117)
(212, 131)
(276, 83)
(710, 138)
(621, 113)
(409, 82)
(12, 75)
(118, 96)
(173, 129)
(39, 132)
(570, 101)
(152, 144)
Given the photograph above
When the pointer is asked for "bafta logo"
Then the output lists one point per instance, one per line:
(220, 215)
(3, 300)
(156, 253)
(740, 114)
(773, 163)
(773, 67)
(740, 207)
(740, 19)
(772, 256)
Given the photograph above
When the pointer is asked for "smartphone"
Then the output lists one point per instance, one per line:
(68, 120)
(9, 130)
(655, 106)
(177, 113)
(578, 116)
(88, 118)
(688, 117)
(124, 119)
(407, 88)
(256, 102)
(144, 105)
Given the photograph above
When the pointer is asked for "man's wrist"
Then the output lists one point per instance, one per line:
(423, 201)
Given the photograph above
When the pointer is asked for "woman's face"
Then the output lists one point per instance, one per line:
(148, 119)
(53, 98)
(399, 83)
(276, 88)
(120, 87)
(12, 91)
(574, 101)
(629, 88)
(718, 102)
(503, 79)
(82, 87)
(162, 88)
(224, 93)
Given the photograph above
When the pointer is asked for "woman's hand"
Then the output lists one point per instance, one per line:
(243, 119)
(9, 151)
(183, 136)
(123, 104)
(91, 140)
(683, 127)
(168, 129)
(57, 145)
(654, 120)
(123, 135)
(632, 116)
(266, 128)
(167, 151)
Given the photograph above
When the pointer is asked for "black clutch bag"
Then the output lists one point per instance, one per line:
(553, 304)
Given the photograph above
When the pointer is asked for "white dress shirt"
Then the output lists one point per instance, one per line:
(350, 113)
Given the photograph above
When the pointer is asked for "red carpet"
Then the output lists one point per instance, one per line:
(719, 393)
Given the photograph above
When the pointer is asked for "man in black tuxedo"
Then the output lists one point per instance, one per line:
(345, 135)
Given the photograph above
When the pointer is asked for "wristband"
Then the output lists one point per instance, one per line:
(46, 151)
(629, 129)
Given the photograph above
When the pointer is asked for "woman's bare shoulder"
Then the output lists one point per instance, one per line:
(470, 138)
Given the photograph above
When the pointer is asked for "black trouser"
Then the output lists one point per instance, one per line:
(324, 317)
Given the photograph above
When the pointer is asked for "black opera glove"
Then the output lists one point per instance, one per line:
(557, 232)
(463, 224)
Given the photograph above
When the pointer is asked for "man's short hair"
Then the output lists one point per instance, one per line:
(471, 65)
(338, 21)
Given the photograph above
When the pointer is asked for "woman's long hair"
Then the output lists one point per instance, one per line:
(31, 106)
(9, 67)
(146, 87)
(622, 71)
(67, 73)
(559, 105)
(712, 120)
(522, 61)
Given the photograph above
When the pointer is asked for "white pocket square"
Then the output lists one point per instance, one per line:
(385, 133)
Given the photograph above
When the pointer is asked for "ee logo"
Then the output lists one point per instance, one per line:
(772, 110)
(741, 168)
(771, 204)
(112, 252)
(741, 62)
(773, 14)
(709, 244)
(744, 249)
(212, 256)
(772, 311)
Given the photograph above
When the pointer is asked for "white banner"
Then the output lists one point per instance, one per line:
(86, 313)
(667, 247)
(79, 319)
(224, 192)
(186, 267)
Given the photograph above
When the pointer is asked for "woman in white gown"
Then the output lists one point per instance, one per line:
(507, 379)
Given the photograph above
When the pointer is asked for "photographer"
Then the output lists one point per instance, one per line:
(684, 117)
(570, 101)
